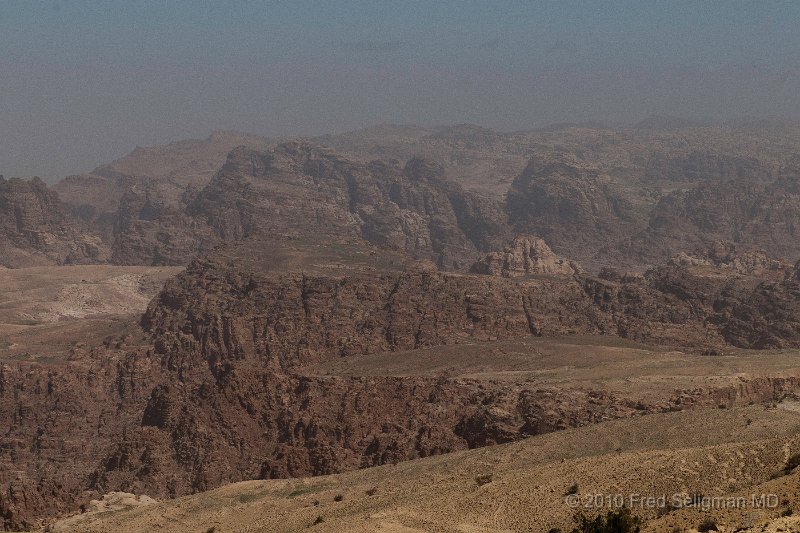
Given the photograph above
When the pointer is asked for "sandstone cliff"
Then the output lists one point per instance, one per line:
(35, 229)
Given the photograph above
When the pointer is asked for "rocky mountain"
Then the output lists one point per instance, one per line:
(611, 196)
(301, 258)
(572, 206)
(301, 190)
(166, 172)
(598, 195)
(748, 211)
(36, 229)
(214, 387)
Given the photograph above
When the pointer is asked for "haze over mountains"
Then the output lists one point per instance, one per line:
(391, 294)
(597, 195)
(405, 267)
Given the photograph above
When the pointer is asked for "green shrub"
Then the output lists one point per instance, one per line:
(249, 497)
(483, 480)
(709, 524)
(621, 521)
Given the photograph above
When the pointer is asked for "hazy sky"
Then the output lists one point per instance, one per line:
(85, 81)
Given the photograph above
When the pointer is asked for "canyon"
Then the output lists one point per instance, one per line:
(239, 308)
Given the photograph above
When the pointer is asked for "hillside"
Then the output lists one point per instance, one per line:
(513, 487)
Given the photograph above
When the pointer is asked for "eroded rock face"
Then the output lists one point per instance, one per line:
(295, 190)
(150, 228)
(291, 319)
(752, 212)
(525, 256)
(574, 207)
(767, 317)
(216, 391)
(57, 423)
(301, 190)
(35, 229)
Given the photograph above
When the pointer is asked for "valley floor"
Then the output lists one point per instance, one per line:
(46, 312)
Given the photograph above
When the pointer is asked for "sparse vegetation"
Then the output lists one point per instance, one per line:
(787, 512)
(573, 489)
(318, 520)
(708, 524)
(483, 479)
(338, 498)
(372, 491)
(249, 497)
(620, 521)
(666, 509)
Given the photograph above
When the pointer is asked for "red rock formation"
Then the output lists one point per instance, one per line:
(35, 229)
(217, 393)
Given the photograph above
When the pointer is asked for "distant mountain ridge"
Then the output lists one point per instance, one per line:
(597, 195)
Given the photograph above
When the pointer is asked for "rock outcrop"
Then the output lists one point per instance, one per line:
(735, 259)
(525, 256)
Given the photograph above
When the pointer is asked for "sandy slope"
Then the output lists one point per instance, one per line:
(45, 311)
(515, 487)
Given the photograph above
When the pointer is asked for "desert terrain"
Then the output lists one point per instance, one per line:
(49, 313)
(405, 329)
(512, 487)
